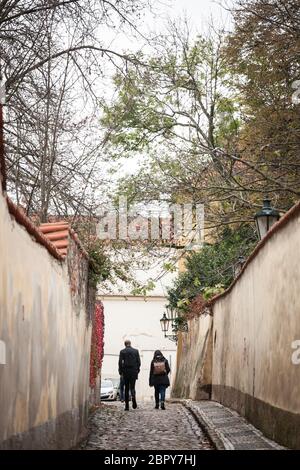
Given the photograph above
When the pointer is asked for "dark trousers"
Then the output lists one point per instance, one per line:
(122, 384)
(160, 392)
(129, 384)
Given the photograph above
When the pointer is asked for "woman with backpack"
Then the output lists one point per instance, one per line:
(158, 378)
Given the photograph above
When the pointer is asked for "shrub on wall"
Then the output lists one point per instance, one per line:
(97, 343)
(210, 270)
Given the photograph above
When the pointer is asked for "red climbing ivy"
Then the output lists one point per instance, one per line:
(97, 343)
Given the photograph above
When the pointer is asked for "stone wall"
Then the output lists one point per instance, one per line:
(254, 325)
(45, 336)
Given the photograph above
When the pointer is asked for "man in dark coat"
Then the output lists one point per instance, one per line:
(158, 378)
(129, 368)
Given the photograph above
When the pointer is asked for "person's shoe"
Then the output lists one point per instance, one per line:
(134, 403)
(157, 406)
(162, 405)
(127, 407)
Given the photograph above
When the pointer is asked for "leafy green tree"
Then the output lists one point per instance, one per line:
(212, 120)
(176, 98)
(211, 269)
(173, 116)
(263, 54)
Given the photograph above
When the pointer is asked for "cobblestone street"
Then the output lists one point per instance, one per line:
(111, 428)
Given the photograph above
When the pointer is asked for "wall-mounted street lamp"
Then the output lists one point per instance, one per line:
(166, 321)
(171, 319)
(265, 218)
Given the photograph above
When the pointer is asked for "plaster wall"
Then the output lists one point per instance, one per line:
(45, 342)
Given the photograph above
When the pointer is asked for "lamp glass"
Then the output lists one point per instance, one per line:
(265, 218)
(164, 323)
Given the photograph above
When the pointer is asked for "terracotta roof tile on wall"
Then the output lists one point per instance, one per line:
(59, 233)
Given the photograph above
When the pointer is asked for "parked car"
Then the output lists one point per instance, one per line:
(108, 391)
(116, 385)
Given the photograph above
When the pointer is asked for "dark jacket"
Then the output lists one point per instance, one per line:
(159, 379)
(129, 362)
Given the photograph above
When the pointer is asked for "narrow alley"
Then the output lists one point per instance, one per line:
(149, 232)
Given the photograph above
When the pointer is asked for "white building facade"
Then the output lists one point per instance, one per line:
(137, 318)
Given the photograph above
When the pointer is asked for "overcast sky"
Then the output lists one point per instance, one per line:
(198, 11)
(200, 14)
